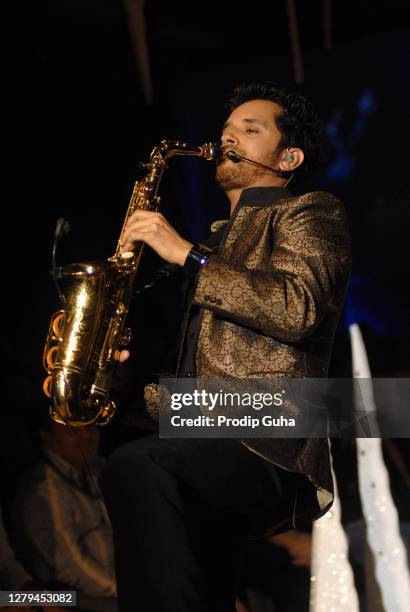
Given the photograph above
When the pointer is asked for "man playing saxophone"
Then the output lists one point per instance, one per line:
(267, 292)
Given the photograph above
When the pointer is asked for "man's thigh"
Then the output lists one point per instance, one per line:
(220, 477)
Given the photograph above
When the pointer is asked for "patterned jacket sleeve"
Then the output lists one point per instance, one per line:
(310, 264)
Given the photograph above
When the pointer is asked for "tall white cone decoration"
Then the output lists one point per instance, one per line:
(332, 585)
(380, 514)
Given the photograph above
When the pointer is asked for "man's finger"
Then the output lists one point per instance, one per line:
(123, 356)
(135, 232)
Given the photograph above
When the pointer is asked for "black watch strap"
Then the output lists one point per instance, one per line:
(196, 258)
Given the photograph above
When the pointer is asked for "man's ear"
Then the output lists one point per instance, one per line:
(290, 159)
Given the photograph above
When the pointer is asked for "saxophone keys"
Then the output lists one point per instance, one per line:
(126, 336)
(106, 414)
(51, 357)
(47, 386)
(57, 324)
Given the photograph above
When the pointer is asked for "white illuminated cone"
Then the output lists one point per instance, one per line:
(332, 583)
(380, 514)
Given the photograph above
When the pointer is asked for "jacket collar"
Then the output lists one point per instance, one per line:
(262, 196)
(252, 196)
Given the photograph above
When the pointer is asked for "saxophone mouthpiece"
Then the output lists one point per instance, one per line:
(218, 152)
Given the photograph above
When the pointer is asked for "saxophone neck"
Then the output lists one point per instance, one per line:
(170, 148)
(145, 192)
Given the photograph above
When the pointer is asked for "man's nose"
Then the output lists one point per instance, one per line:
(229, 138)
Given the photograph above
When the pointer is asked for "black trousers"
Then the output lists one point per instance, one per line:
(181, 511)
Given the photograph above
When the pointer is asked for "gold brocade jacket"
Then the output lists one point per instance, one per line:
(270, 300)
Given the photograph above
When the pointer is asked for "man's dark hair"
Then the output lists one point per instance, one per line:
(298, 124)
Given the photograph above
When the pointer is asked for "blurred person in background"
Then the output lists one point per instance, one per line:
(13, 576)
(61, 529)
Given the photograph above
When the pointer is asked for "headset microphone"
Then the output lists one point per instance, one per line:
(236, 158)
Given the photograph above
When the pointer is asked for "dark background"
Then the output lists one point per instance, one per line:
(75, 124)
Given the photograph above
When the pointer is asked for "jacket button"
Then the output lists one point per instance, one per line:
(212, 300)
(218, 301)
(206, 298)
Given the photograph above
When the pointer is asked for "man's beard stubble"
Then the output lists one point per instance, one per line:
(231, 175)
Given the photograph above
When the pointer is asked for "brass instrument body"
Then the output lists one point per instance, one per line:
(84, 339)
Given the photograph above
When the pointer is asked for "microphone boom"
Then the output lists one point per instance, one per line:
(236, 158)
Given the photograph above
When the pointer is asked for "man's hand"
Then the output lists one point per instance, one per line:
(123, 356)
(154, 229)
(298, 545)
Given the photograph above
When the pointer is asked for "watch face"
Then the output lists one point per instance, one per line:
(196, 258)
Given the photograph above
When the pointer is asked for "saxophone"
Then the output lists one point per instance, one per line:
(84, 339)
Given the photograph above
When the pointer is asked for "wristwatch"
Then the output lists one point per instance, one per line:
(196, 258)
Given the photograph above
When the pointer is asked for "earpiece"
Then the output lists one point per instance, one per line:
(289, 157)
